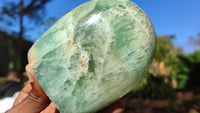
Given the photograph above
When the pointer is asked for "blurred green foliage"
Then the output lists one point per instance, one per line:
(170, 70)
(192, 64)
(8, 53)
(2, 79)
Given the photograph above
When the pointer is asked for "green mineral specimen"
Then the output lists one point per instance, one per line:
(93, 55)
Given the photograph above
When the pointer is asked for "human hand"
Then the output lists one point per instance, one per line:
(32, 99)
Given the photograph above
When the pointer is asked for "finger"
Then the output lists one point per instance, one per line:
(36, 100)
(23, 93)
(117, 107)
(28, 87)
(36, 88)
(37, 91)
(29, 73)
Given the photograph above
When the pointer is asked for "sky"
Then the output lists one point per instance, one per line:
(180, 18)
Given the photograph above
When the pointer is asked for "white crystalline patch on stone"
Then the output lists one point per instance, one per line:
(94, 18)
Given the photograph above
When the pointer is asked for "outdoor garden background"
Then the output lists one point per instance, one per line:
(172, 82)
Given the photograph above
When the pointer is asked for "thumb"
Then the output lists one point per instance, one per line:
(36, 88)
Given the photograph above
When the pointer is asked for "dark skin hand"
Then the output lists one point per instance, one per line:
(32, 99)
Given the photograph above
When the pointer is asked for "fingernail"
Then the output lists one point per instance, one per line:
(28, 71)
(29, 77)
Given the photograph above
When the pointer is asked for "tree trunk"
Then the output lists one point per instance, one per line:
(20, 41)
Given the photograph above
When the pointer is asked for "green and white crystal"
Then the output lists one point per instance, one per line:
(93, 55)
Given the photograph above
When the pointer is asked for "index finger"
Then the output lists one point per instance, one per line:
(23, 93)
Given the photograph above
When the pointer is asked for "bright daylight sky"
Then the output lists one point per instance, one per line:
(169, 17)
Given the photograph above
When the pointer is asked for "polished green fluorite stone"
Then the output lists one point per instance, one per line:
(93, 55)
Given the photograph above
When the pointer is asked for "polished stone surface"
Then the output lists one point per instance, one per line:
(93, 55)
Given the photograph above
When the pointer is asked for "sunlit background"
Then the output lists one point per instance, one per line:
(172, 83)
